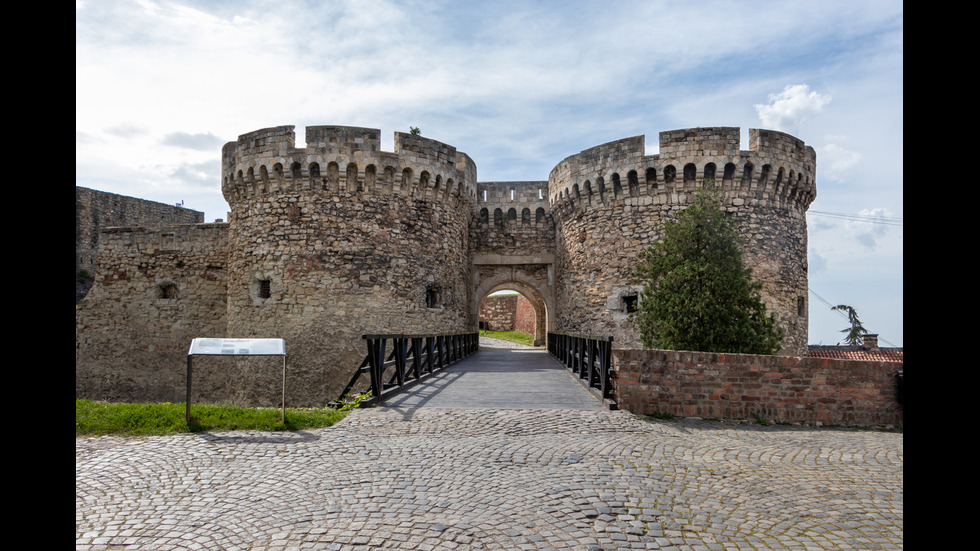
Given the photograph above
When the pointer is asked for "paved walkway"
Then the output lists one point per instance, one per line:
(431, 478)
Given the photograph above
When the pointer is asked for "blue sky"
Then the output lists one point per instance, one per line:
(160, 86)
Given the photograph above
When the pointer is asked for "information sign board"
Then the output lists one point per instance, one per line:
(237, 347)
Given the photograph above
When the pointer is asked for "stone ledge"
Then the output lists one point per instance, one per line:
(481, 259)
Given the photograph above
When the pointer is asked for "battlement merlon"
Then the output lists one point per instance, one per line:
(725, 142)
(343, 139)
(350, 141)
(715, 147)
(515, 194)
(273, 153)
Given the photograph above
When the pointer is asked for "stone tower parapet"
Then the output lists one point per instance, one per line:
(777, 168)
(609, 201)
(341, 159)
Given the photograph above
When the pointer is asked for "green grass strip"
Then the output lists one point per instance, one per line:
(143, 419)
(510, 336)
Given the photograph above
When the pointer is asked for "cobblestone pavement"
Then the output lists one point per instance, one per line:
(453, 479)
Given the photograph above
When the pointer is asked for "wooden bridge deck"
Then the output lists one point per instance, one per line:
(500, 376)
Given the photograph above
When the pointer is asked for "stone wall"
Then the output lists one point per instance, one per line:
(773, 388)
(156, 290)
(340, 269)
(95, 210)
(513, 220)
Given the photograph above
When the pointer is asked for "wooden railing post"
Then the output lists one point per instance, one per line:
(587, 357)
(413, 357)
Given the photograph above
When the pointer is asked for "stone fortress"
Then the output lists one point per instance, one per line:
(330, 241)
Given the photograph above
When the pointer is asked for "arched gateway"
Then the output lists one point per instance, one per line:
(538, 293)
(516, 251)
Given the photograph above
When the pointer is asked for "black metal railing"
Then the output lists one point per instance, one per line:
(394, 362)
(588, 357)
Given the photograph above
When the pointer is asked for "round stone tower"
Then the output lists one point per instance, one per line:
(609, 202)
(337, 239)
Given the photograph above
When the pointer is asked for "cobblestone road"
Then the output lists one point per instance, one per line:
(570, 477)
(452, 479)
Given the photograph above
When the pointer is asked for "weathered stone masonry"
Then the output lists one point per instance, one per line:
(336, 239)
(609, 202)
(95, 210)
(154, 292)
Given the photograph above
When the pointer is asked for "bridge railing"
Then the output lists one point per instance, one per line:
(588, 357)
(394, 362)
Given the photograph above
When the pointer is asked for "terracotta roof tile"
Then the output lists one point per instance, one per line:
(856, 353)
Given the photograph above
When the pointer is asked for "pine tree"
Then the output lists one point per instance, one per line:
(856, 329)
(697, 293)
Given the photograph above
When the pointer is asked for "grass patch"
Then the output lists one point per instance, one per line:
(511, 336)
(144, 419)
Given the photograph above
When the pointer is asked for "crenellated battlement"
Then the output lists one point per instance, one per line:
(777, 170)
(348, 161)
(523, 202)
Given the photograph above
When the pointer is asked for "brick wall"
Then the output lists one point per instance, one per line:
(507, 313)
(524, 316)
(742, 386)
(497, 312)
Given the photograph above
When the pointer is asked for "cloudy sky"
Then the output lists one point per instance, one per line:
(161, 85)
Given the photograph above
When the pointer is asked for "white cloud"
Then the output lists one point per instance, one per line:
(204, 141)
(786, 110)
(161, 84)
(835, 161)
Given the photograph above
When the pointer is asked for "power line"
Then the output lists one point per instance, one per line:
(883, 220)
(823, 300)
(843, 315)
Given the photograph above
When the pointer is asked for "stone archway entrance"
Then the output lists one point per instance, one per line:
(533, 284)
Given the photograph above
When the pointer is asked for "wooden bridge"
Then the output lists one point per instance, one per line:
(463, 371)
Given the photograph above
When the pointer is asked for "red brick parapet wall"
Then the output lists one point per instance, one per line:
(524, 316)
(741, 386)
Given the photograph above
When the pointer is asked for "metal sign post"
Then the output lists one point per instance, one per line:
(236, 347)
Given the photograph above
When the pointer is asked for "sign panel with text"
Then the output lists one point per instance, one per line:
(237, 347)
